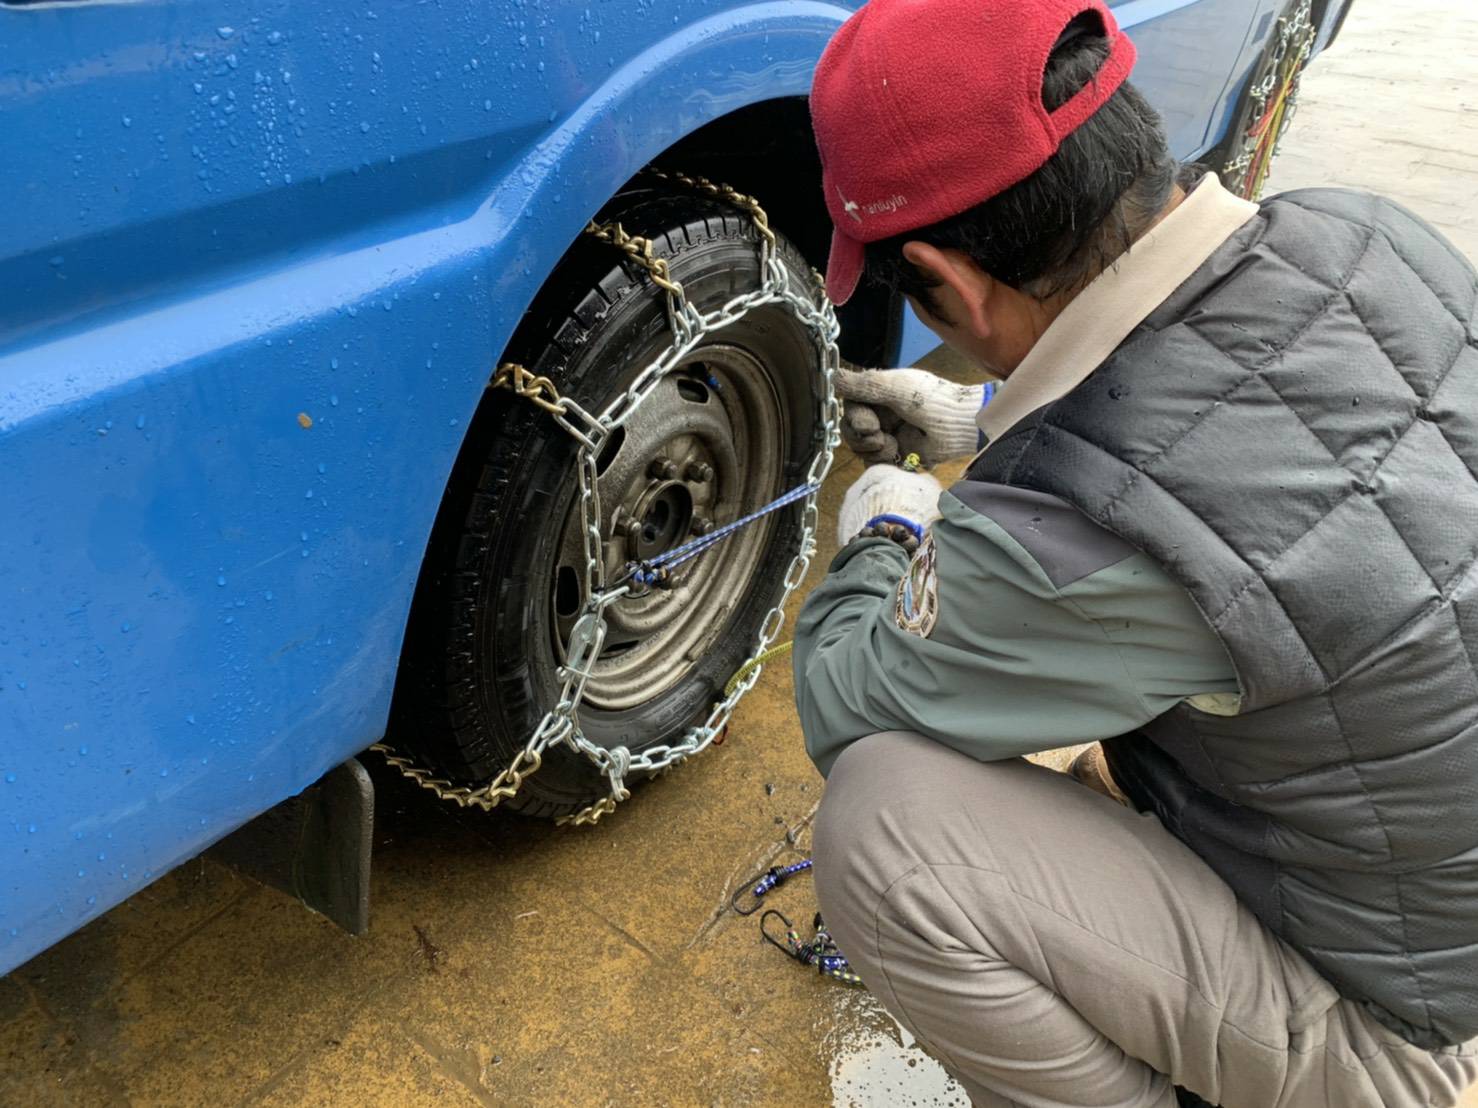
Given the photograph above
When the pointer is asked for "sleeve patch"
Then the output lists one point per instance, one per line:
(916, 608)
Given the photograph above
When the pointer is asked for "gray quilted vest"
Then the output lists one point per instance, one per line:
(1293, 435)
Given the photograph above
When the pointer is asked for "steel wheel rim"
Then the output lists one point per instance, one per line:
(721, 409)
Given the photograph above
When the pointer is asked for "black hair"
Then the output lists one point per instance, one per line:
(1059, 228)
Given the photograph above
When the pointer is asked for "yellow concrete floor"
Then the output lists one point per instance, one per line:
(513, 963)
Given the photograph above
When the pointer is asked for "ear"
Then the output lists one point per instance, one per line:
(967, 287)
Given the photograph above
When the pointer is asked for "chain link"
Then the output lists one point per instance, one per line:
(639, 250)
(689, 326)
(515, 377)
(727, 194)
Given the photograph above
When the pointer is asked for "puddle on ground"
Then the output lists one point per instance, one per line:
(875, 1062)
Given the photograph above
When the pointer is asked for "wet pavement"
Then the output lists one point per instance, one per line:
(513, 963)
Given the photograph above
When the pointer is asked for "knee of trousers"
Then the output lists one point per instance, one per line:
(892, 803)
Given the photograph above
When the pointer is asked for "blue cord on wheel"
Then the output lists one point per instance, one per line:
(654, 571)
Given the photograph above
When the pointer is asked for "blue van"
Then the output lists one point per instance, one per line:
(260, 507)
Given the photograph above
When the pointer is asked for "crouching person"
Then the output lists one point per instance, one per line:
(1225, 519)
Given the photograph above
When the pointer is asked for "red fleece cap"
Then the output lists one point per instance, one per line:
(925, 108)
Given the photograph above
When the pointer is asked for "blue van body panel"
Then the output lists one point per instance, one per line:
(257, 263)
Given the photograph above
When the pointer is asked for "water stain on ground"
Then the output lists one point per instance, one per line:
(875, 1061)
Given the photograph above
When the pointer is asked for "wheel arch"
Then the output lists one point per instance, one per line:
(764, 147)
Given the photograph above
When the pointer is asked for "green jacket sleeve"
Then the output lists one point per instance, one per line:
(1049, 632)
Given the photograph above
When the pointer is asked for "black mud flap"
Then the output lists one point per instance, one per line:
(314, 846)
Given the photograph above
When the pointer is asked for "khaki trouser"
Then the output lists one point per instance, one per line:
(1051, 947)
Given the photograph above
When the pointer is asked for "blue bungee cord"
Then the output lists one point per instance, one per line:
(820, 950)
(655, 571)
(763, 883)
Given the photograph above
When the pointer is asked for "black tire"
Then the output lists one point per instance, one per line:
(478, 669)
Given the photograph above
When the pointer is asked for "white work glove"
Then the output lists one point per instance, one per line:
(892, 413)
(888, 490)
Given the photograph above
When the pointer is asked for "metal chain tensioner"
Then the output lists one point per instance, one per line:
(689, 326)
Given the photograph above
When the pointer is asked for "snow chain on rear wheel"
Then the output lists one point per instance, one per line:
(689, 326)
(1272, 102)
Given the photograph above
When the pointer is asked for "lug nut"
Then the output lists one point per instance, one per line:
(700, 472)
(701, 526)
(664, 469)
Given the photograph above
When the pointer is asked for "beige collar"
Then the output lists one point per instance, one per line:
(1100, 317)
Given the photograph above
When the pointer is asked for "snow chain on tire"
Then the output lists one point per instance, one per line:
(689, 326)
(1273, 100)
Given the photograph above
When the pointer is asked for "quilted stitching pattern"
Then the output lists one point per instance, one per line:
(1293, 434)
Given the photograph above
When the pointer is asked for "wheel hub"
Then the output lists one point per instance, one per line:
(660, 518)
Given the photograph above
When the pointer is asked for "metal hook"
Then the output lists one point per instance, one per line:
(749, 887)
(764, 882)
(787, 947)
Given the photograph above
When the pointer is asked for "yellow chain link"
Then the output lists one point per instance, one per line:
(726, 193)
(541, 390)
(1275, 103)
(590, 816)
(486, 797)
(639, 250)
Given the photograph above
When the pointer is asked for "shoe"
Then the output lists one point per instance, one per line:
(1091, 768)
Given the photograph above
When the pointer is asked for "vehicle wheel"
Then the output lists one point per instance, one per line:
(729, 430)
